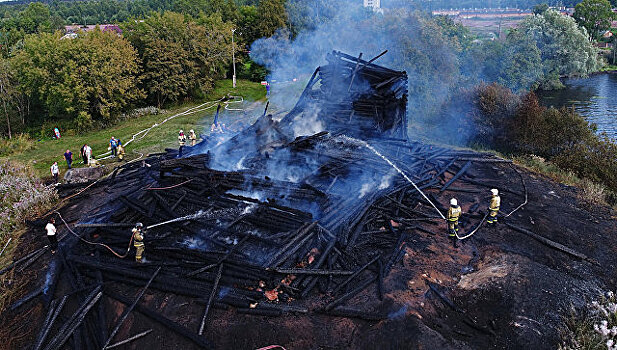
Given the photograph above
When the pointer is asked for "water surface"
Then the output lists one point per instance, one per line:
(595, 98)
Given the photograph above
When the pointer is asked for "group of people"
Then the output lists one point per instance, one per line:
(115, 146)
(192, 137)
(454, 213)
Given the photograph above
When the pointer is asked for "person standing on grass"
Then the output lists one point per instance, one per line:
(82, 151)
(68, 155)
(51, 235)
(88, 154)
(113, 146)
(55, 171)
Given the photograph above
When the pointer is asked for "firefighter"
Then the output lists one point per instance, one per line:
(453, 214)
(120, 152)
(138, 242)
(181, 141)
(192, 137)
(494, 206)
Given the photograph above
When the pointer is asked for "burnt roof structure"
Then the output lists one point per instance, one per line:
(356, 97)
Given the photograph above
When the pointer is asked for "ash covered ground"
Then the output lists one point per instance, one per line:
(295, 232)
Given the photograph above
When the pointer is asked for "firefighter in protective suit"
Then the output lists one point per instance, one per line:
(192, 137)
(181, 142)
(138, 242)
(120, 152)
(453, 215)
(493, 207)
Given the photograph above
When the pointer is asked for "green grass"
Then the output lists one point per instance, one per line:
(608, 68)
(45, 152)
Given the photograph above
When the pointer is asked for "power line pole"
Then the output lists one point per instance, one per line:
(233, 56)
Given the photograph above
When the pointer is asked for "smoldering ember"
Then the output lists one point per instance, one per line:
(322, 229)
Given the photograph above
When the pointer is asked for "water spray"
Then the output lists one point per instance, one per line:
(183, 218)
(365, 144)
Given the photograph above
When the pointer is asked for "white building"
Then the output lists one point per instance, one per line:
(375, 4)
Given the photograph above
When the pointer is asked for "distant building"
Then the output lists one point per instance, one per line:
(375, 4)
(73, 29)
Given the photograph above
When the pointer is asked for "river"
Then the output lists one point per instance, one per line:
(595, 98)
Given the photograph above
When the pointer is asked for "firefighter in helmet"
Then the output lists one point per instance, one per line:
(181, 142)
(493, 207)
(192, 137)
(138, 242)
(453, 215)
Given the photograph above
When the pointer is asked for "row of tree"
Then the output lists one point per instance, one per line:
(91, 79)
(252, 19)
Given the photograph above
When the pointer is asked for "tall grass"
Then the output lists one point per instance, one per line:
(17, 144)
(22, 196)
(593, 327)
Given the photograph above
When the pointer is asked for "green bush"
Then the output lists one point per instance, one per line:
(521, 126)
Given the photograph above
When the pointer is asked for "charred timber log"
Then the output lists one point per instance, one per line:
(128, 310)
(351, 294)
(54, 311)
(75, 321)
(210, 300)
(456, 177)
(553, 244)
(169, 324)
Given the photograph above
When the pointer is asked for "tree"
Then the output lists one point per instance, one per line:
(540, 9)
(595, 16)
(7, 91)
(96, 73)
(563, 46)
(272, 16)
(180, 57)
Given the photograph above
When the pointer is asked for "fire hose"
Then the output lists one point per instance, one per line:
(526, 194)
(122, 256)
(99, 244)
(512, 212)
(144, 132)
(474, 231)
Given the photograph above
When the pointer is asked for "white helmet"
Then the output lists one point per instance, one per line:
(181, 132)
(453, 202)
(191, 131)
(495, 192)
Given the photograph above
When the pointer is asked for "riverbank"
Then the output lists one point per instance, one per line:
(41, 154)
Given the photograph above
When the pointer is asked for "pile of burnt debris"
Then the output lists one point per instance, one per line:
(270, 222)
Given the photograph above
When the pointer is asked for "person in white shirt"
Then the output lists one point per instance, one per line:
(88, 152)
(54, 171)
(51, 235)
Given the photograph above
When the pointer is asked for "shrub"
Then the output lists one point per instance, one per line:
(17, 144)
(593, 327)
(592, 192)
(546, 131)
(22, 196)
(561, 136)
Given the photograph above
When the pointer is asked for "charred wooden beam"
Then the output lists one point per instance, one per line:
(166, 322)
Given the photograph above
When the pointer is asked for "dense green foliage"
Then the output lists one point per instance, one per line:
(595, 16)
(537, 53)
(181, 57)
(91, 77)
(48, 80)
